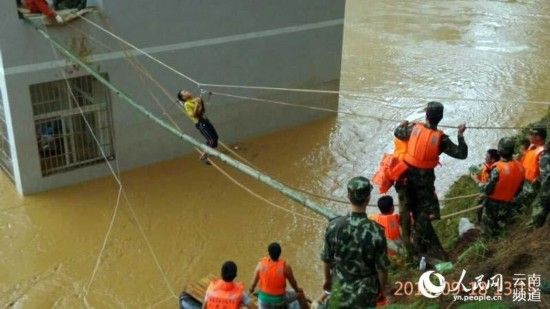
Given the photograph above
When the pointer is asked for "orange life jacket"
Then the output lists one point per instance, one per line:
(389, 171)
(485, 172)
(531, 162)
(510, 178)
(224, 295)
(423, 147)
(272, 276)
(399, 148)
(390, 223)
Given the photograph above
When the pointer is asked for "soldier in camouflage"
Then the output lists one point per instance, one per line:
(419, 184)
(354, 254)
(541, 209)
(498, 213)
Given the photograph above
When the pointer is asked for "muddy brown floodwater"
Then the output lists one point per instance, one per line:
(397, 55)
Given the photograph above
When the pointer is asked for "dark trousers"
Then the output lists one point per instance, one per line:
(207, 130)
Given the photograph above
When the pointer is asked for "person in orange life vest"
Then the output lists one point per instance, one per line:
(425, 144)
(531, 159)
(531, 164)
(41, 6)
(224, 293)
(482, 175)
(390, 222)
(524, 144)
(504, 185)
(272, 273)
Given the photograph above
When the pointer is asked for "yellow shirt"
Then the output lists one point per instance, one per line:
(191, 107)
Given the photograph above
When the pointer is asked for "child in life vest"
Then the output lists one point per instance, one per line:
(390, 222)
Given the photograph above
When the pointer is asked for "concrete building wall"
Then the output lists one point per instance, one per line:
(291, 43)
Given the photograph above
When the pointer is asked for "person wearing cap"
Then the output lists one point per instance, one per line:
(194, 109)
(41, 6)
(500, 191)
(425, 143)
(531, 164)
(354, 256)
(541, 209)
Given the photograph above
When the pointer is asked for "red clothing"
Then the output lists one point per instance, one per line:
(39, 6)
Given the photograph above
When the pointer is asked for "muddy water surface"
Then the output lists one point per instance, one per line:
(396, 56)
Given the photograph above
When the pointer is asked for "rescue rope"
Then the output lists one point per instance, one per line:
(460, 212)
(144, 72)
(325, 109)
(201, 85)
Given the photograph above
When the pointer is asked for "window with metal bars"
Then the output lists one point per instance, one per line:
(66, 112)
(5, 151)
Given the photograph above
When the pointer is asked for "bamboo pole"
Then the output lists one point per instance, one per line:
(291, 193)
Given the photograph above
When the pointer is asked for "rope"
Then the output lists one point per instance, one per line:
(460, 212)
(270, 88)
(121, 190)
(146, 73)
(324, 109)
(199, 84)
(141, 51)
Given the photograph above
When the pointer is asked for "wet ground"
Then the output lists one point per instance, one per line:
(397, 56)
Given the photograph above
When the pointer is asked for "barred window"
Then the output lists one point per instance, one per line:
(64, 139)
(5, 151)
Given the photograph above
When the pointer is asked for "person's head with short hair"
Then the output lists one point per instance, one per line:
(385, 205)
(434, 112)
(492, 156)
(229, 271)
(184, 95)
(359, 189)
(524, 144)
(506, 148)
(274, 250)
(537, 136)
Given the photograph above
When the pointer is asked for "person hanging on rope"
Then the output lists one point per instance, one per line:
(194, 109)
(425, 144)
(41, 6)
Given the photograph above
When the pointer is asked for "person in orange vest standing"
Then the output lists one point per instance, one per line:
(272, 273)
(531, 164)
(504, 185)
(224, 293)
(390, 222)
(425, 144)
(481, 176)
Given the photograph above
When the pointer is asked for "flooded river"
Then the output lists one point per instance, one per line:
(397, 55)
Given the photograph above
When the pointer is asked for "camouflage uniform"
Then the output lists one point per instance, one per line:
(355, 247)
(496, 214)
(420, 193)
(541, 209)
(404, 218)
